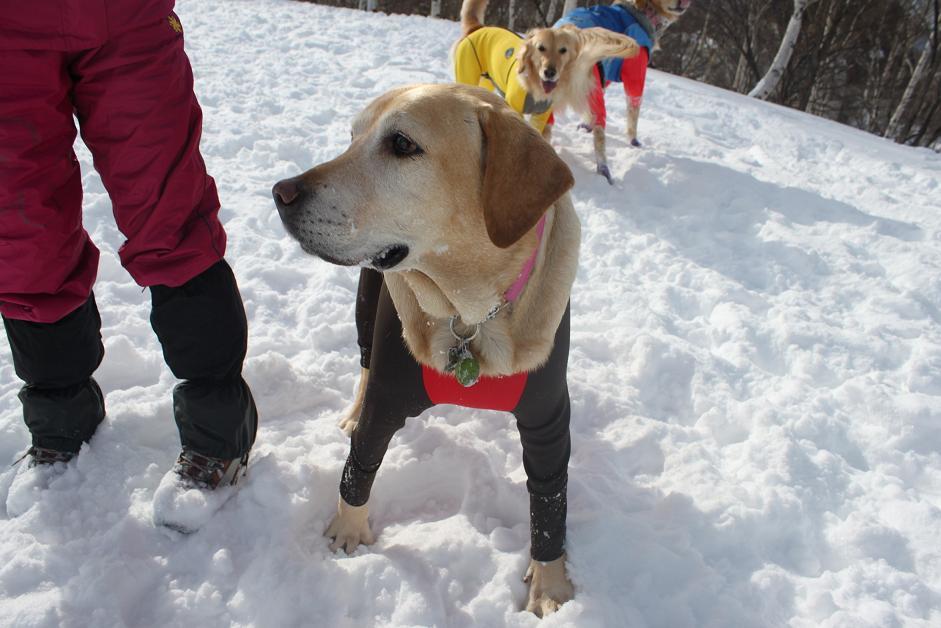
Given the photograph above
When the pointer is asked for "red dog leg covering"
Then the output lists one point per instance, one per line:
(633, 75)
(596, 100)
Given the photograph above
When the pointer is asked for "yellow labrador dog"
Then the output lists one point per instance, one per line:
(463, 209)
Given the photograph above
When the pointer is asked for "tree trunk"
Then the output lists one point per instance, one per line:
(901, 117)
(821, 92)
(689, 56)
(552, 14)
(741, 74)
(511, 15)
(435, 8)
(770, 80)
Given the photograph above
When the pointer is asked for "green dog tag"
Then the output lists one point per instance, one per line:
(467, 371)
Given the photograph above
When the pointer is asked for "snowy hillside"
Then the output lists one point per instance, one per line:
(755, 376)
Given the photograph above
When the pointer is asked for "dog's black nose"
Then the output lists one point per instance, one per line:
(286, 192)
(550, 72)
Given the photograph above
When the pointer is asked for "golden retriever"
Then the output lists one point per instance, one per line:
(643, 20)
(548, 69)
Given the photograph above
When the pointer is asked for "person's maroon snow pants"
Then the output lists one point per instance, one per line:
(132, 95)
(133, 98)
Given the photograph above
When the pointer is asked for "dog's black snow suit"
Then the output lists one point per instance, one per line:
(399, 387)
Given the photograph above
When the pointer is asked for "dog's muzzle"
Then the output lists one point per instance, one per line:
(550, 78)
(290, 197)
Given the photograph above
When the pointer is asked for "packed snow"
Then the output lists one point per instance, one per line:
(755, 376)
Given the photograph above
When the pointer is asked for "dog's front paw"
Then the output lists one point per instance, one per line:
(350, 528)
(604, 171)
(549, 586)
(635, 143)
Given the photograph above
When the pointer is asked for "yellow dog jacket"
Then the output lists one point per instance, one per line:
(487, 58)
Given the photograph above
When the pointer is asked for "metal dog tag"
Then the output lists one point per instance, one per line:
(467, 371)
(463, 364)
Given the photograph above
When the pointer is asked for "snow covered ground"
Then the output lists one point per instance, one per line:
(755, 375)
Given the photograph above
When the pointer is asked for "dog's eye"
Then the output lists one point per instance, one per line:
(403, 146)
(541, 48)
(563, 50)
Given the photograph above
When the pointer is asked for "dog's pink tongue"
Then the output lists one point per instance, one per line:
(548, 86)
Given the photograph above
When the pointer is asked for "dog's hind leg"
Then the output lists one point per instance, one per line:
(351, 418)
(633, 113)
(598, 119)
(601, 159)
(633, 75)
(367, 302)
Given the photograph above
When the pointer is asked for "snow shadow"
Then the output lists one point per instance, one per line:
(737, 225)
(643, 557)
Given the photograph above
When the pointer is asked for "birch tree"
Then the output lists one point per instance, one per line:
(772, 77)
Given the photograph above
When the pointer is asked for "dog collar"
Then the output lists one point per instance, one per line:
(516, 288)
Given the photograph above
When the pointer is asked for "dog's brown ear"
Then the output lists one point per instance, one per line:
(600, 43)
(522, 175)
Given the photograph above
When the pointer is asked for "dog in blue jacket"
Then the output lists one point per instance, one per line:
(642, 20)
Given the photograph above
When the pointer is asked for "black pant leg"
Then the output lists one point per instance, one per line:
(204, 334)
(394, 392)
(62, 404)
(542, 417)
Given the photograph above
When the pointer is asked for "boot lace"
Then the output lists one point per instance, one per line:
(207, 472)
